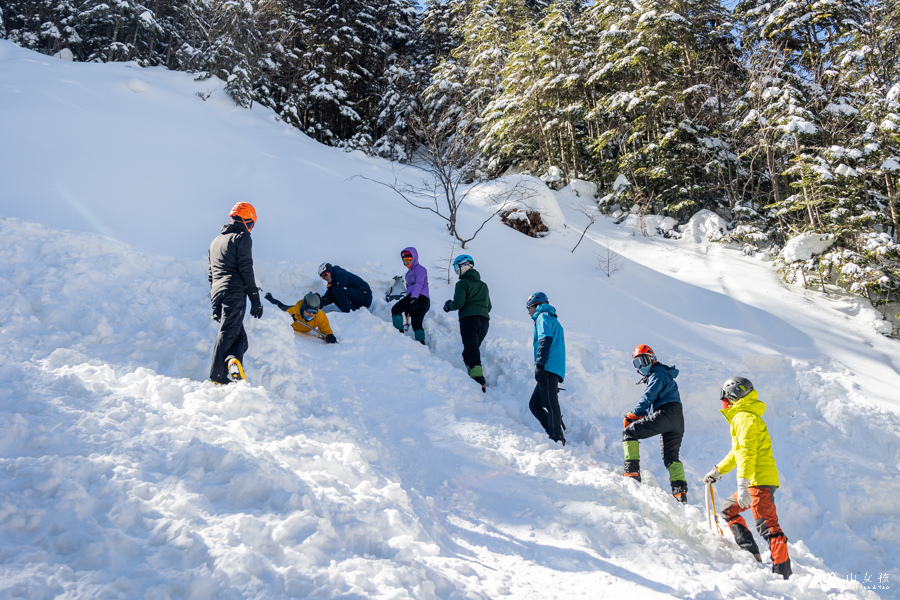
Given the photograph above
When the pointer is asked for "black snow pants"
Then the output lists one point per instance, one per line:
(544, 404)
(349, 299)
(416, 317)
(473, 330)
(232, 339)
(668, 423)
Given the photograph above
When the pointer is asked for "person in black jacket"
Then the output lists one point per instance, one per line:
(346, 291)
(231, 281)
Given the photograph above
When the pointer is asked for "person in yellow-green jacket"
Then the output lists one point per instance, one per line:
(307, 316)
(757, 474)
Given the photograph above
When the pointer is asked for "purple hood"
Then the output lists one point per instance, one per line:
(416, 276)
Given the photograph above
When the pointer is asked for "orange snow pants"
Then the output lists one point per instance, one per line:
(763, 506)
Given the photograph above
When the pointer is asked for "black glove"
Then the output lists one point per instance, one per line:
(538, 369)
(216, 317)
(447, 306)
(413, 304)
(276, 302)
(255, 307)
(330, 339)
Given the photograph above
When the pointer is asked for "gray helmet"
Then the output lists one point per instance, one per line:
(325, 268)
(736, 388)
(312, 301)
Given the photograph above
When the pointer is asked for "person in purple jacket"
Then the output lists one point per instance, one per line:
(416, 302)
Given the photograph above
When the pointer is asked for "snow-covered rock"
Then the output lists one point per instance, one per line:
(704, 225)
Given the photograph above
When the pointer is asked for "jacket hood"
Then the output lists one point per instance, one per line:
(672, 371)
(749, 403)
(234, 227)
(415, 255)
(543, 308)
(471, 274)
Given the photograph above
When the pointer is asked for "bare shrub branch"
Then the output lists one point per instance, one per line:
(609, 261)
(591, 213)
(449, 161)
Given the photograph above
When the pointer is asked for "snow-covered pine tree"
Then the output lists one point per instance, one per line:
(117, 30)
(400, 78)
(860, 151)
(868, 65)
(338, 72)
(657, 74)
(46, 26)
(227, 39)
(440, 31)
(533, 121)
(801, 111)
(280, 56)
(771, 124)
(465, 83)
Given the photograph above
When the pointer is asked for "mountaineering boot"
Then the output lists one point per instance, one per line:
(419, 335)
(477, 374)
(758, 557)
(397, 322)
(781, 563)
(678, 481)
(235, 370)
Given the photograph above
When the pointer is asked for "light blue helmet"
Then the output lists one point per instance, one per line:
(461, 260)
(536, 298)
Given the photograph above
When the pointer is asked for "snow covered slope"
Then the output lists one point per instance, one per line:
(375, 468)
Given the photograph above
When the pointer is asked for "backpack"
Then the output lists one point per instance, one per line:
(396, 290)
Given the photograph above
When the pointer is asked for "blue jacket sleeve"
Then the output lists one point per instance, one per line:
(655, 384)
(542, 355)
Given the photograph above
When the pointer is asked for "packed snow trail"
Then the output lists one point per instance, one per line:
(373, 468)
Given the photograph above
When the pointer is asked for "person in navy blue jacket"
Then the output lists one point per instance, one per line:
(658, 412)
(549, 365)
(348, 292)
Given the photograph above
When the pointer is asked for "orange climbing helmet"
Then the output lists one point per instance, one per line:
(643, 349)
(245, 213)
(643, 357)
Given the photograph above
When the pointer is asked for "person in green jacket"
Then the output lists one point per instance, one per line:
(472, 300)
(757, 474)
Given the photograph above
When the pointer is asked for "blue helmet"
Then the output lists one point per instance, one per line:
(461, 260)
(536, 298)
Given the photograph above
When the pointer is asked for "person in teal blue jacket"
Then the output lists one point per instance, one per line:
(549, 366)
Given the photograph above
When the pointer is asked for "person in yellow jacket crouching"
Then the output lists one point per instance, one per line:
(757, 474)
(307, 316)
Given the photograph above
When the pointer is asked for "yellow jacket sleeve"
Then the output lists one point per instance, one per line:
(321, 323)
